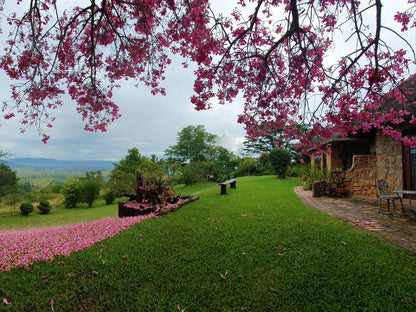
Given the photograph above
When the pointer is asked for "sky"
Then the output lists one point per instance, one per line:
(150, 123)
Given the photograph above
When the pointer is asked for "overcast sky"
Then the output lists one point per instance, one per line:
(148, 122)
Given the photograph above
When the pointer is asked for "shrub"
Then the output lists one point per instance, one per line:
(72, 192)
(44, 207)
(312, 175)
(109, 197)
(90, 190)
(247, 166)
(26, 208)
(280, 159)
(193, 172)
(297, 170)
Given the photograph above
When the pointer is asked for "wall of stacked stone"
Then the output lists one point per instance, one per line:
(360, 179)
(389, 161)
(318, 188)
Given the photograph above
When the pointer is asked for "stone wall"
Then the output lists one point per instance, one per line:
(366, 169)
(389, 161)
(360, 179)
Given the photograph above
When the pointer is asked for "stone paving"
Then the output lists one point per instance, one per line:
(361, 213)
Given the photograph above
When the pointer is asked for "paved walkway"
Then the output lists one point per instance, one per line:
(362, 213)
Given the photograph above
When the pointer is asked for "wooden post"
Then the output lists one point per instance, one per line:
(223, 189)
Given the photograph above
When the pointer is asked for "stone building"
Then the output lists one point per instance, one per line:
(366, 157)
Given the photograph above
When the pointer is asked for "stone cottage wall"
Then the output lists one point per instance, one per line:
(366, 169)
(389, 161)
(360, 179)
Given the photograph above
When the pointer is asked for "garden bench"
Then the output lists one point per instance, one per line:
(223, 185)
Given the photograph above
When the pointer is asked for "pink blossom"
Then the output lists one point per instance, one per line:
(21, 248)
(5, 301)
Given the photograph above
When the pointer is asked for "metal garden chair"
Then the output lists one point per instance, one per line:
(385, 193)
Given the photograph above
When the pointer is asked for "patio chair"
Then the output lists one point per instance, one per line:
(385, 193)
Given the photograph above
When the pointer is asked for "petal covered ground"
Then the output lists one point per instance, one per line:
(24, 247)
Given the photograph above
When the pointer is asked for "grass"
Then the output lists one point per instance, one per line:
(279, 254)
(60, 215)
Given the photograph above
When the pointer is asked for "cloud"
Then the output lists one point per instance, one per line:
(148, 122)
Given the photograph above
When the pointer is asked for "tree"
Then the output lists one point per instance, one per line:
(72, 192)
(8, 179)
(123, 176)
(193, 144)
(280, 160)
(279, 54)
(89, 190)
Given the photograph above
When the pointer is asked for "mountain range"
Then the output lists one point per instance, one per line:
(54, 165)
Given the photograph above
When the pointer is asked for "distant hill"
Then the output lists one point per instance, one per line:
(57, 166)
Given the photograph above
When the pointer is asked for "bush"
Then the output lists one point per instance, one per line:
(26, 208)
(72, 192)
(280, 159)
(109, 197)
(192, 173)
(90, 190)
(247, 166)
(312, 175)
(298, 170)
(44, 207)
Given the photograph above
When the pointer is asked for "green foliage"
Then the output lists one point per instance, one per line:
(72, 192)
(123, 176)
(311, 175)
(193, 172)
(26, 208)
(90, 187)
(247, 166)
(8, 179)
(26, 186)
(223, 165)
(298, 170)
(109, 197)
(280, 160)
(44, 206)
(193, 144)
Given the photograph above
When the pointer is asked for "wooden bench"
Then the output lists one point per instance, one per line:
(223, 185)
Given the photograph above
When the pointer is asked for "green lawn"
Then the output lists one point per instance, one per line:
(60, 215)
(279, 255)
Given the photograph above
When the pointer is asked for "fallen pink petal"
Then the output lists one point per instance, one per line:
(23, 247)
(5, 301)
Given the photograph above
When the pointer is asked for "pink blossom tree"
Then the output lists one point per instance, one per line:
(279, 56)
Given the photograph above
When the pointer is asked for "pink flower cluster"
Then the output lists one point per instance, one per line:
(24, 247)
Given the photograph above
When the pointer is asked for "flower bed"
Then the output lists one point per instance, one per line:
(21, 248)
(130, 208)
